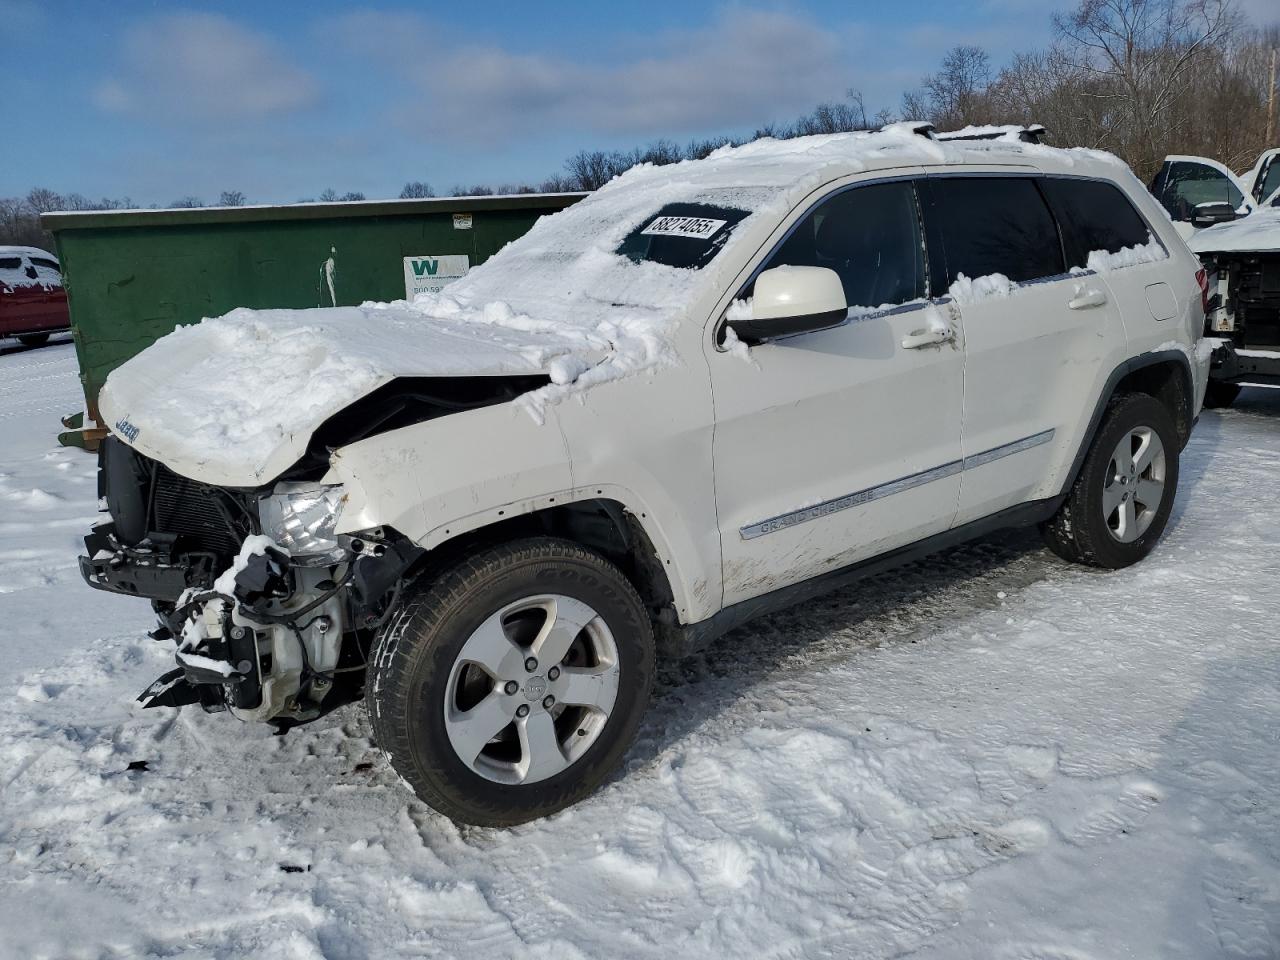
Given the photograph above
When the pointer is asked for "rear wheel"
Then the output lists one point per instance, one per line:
(1218, 394)
(512, 686)
(1120, 503)
(33, 339)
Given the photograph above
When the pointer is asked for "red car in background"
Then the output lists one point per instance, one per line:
(32, 301)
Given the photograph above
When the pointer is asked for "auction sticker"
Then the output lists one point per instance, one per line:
(697, 228)
(429, 274)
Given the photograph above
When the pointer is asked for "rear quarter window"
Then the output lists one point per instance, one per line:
(1095, 215)
(994, 225)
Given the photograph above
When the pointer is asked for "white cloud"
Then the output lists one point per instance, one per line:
(744, 67)
(202, 66)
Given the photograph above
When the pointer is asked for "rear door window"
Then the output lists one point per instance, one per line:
(870, 236)
(994, 225)
(1184, 184)
(46, 263)
(1095, 215)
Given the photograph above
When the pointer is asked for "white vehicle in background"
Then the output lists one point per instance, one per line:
(1243, 263)
(1198, 192)
(707, 391)
(1233, 224)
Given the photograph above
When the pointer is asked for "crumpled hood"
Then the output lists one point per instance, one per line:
(1258, 232)
(233, 401)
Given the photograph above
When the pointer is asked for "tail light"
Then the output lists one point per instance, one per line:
(1202, 280)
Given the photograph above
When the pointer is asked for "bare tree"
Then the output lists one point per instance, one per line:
(231, 198)
(416, 190)
(1144, 55)
(476, 190)
(187, 202)
(43, 200)
(955, 96)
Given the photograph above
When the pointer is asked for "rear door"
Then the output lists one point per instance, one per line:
(1033, 334)
(1098, 220)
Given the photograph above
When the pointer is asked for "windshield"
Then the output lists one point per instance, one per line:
(687, 236)
(646, 246)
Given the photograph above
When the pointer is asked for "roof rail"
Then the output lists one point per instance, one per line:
(1031, 133)
(921, 128)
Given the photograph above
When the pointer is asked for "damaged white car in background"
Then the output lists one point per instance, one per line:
(1233, 224)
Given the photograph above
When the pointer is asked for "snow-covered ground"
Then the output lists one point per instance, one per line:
(987, 755)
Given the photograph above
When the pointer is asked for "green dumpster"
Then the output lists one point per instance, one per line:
(133, 276)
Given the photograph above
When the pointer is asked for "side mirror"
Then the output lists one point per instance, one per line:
(790, 300)
(1207, 214)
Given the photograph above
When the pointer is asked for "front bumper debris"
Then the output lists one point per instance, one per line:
(153, 568)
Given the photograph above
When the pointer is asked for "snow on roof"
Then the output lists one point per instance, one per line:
(992, 132)
(26, 252)
(11, 277)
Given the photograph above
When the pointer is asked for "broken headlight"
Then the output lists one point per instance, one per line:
(301, 518)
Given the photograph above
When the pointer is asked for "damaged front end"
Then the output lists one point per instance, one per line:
(273, 613)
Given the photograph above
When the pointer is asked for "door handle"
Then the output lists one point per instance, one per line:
(1084, 299)
(928, 337)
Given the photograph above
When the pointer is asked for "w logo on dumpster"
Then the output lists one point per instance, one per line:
(428, 273)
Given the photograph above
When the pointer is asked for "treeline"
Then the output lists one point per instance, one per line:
(1140, 78)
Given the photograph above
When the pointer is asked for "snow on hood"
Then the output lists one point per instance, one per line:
(1259, 231)
(239, 396)
(235, 400)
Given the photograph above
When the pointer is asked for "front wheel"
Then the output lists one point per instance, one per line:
(512, 686)
(1121, 501)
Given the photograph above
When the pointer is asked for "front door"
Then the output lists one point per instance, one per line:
(834, 446)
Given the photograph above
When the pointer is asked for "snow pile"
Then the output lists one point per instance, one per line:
(1104, 261)
(1259, 231)
(965, 290)
(985, 756)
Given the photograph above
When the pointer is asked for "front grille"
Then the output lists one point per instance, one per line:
(205, 518)
(145, 498)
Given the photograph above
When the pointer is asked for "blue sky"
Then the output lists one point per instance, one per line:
(281, 100)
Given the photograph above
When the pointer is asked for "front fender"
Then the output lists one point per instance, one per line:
(426, 479)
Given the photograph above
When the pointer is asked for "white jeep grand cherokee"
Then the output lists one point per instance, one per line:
(706, 391)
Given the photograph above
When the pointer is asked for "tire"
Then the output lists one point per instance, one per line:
(1082, 531)
(443, 666)
(33, 339)
(1218, 395)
